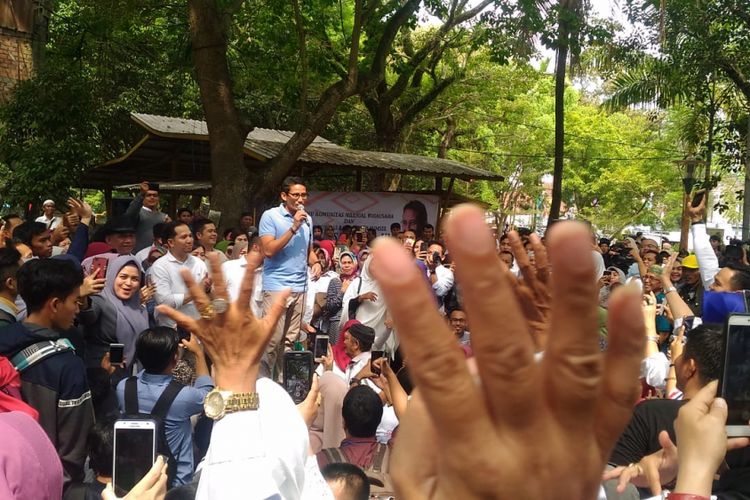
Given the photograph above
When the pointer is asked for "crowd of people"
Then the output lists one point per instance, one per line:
(461, 363)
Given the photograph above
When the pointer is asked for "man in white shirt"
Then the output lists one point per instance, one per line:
(234, 272)
(48, 217)
(440, 276)
(165, 273)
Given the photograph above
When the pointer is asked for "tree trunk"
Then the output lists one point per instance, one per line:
(709, 157)
(560, 69)
(229, 175)
(746, 197)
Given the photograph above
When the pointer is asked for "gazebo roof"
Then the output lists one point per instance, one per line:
(177, 149)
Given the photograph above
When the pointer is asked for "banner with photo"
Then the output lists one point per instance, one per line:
(373, 210)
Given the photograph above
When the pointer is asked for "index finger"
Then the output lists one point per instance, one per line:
(439, 367)
(220, 286)
(248, 281)
(196, 289)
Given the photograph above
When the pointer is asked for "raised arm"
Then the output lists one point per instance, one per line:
(678, 306)
(708, 263)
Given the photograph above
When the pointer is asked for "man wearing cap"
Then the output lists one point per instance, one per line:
(48, 216)
(144, 211)
(119, 234)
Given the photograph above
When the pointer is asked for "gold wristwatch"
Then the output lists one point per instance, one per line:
(218, 403)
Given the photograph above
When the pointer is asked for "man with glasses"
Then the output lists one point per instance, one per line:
(285, 233)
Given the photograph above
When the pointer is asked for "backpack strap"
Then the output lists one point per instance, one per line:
(131, 395)
(378, 459)
(334, 456)
(161, 408)
(35, 353)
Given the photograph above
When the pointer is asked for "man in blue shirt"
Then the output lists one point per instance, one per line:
(285, 234)
(157, 350)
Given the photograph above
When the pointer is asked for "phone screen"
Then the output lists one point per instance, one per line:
(116, 352)
(735, 382)
(134, 452)
(321, 346)
(298, 374)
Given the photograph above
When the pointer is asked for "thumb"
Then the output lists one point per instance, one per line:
(666, 443)
(719, 410)
(109, 493)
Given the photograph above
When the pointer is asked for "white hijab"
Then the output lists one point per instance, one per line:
(370, 313)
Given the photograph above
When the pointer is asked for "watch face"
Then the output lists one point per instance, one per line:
(213, 405)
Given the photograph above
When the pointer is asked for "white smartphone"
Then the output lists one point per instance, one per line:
(734, 384)
(134, 452)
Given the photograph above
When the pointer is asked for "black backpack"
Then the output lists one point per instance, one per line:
(159, 414)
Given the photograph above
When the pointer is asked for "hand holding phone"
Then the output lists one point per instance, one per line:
(320, 348)
(116, 353)
(375, 367)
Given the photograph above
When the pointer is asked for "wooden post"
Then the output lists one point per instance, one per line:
(108, 200)
(443, 202)
(358, 181)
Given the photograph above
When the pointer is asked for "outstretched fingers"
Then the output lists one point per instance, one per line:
(499, 333)
(436, 363)
(248, 281)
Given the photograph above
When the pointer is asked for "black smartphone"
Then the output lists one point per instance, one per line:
(697, 198)
(423, 246)
(298, 371)
(734, 383)
(134, 452)
(373, 356)
(320, 348)
(116, 353)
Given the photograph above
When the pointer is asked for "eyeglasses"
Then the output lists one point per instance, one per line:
(298, 195)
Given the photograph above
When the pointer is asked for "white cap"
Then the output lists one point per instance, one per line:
(48, 202)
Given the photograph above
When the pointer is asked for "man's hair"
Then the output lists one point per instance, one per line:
(454, 309)
(436, 242)
(25, 231)
(362, 411)
(9, 264)
(155, 348)
(345, 228)
(291, 181)
(506, 252)
(40, 280)
(158, 230)
(8, 217)
(396, 225)
(316, 226)
(429, 226)
(356, 484)
(183, 210)
(659, 258)
(100, 444)
(503, 236)
(170, 230)
(201, 225)
(704, 345)
(246, 214)
(741, 278)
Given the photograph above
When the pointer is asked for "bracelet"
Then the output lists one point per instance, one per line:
(669, 290)
(670, 378)
(671, 365)
(294, 231)
(653, 338)
(686, 496)
(316, 264)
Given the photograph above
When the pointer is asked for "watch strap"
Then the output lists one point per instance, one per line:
(242, 401)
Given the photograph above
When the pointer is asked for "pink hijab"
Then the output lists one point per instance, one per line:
(340, 356)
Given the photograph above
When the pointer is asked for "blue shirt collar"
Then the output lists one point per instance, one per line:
(284, 211)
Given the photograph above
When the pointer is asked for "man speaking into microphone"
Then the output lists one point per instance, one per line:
(285, 233)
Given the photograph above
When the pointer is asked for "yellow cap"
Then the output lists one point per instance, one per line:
(691, 262)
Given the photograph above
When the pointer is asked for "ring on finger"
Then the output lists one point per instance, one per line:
(207, 312)
(220, 306)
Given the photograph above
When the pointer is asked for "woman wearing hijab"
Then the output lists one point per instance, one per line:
(363, 301)
(337, 287)
(115, 316)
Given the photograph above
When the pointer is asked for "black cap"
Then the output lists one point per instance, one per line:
(119, 225)
(362, 333)
(153, 186)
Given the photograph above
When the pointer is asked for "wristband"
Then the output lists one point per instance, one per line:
(686, 496)
(669, 290)
(294, 231)
(653, 338)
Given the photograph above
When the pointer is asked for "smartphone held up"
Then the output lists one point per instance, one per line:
(734, 383)
(134, 452)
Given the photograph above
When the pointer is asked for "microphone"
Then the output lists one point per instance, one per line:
(300, 206)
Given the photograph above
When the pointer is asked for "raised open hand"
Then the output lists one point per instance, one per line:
(545, 428)
(234, 339)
